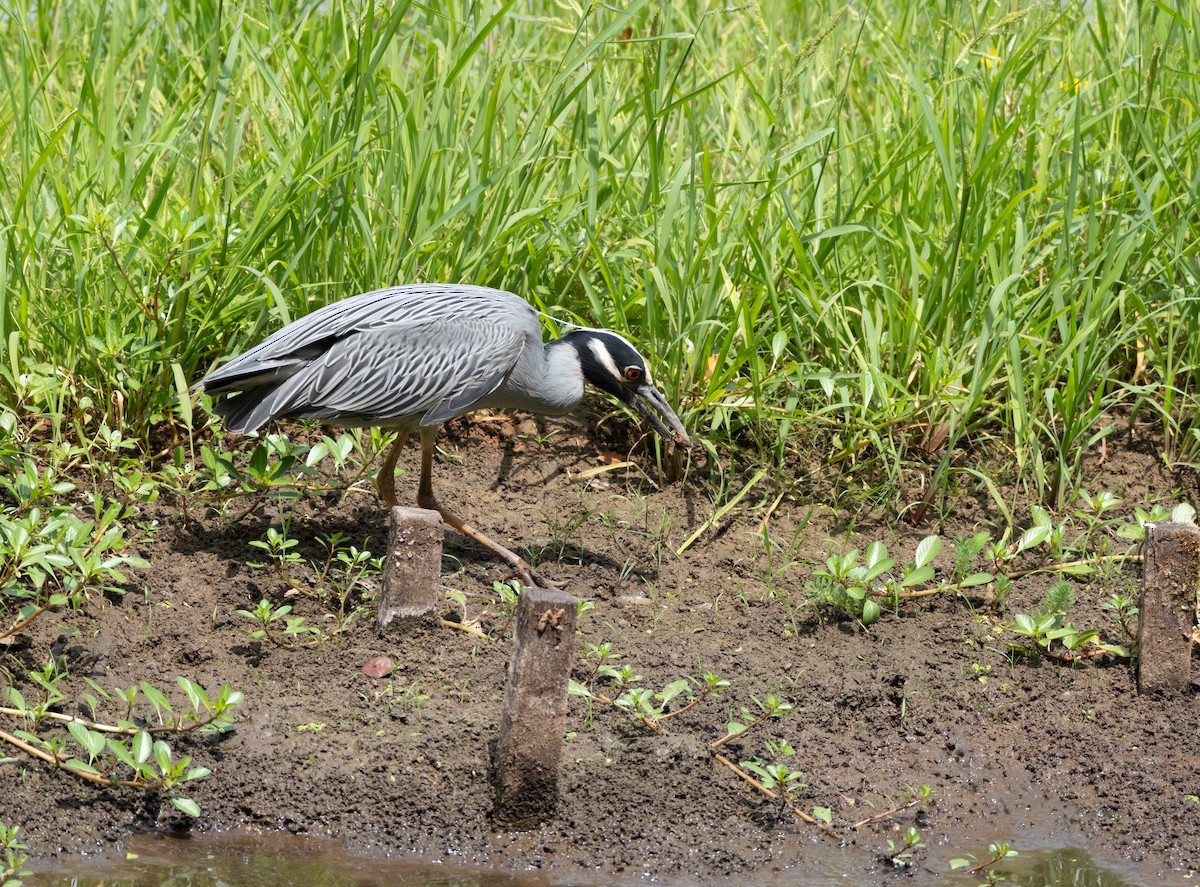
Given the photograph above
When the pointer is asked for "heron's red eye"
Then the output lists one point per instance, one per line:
(633, 374)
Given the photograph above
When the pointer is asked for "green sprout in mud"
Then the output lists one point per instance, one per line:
(508, 595)
(997, 852)
(1123, 609)
(334, 580)
(773, 771)
(345, 569)
(278, 545)
(1048, 634)
(126, 754)
(396, 694)
(646, 705)
(914, 798)
(769, 774)
(652, 706)
(901, 853)
(499, 606)
(268, 620)
(772, 707)
(12, 857)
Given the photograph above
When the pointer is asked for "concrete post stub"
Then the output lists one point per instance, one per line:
(525, 765)
(1167, 607)
(413, 570)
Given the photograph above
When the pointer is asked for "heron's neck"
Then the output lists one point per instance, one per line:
(560, 388)
(546, 379)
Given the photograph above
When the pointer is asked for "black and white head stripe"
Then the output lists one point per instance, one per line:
(609, 362)
(606, 355)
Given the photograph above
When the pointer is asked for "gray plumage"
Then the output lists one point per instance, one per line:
(400, 358)
(411, 357)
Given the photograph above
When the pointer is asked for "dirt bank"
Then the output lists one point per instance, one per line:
(1013, 748)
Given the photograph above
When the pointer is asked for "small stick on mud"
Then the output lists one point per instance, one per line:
(1167, 608)
(525, 764)
(892, 811)
(800, 814)
(414, 564)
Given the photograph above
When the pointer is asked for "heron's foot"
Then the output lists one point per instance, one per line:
(528, 577)
(521, 569)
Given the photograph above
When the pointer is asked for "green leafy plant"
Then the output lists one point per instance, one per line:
(650, 707)
(861, 589)
(1123, 609)
(276, 625)
(1050, 635)
(772, 707)
(129, 752)
(51, 558)
(508, 595)
(773, 771)
(342, 578)
(12, 857)
(916, 798)
(770, 775)
(858, 588)
(279, 545)
(901, 854)
(997, 852)
(338, 580)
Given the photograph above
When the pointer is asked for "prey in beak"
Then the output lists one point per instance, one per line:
(649, 403)
(609, 362)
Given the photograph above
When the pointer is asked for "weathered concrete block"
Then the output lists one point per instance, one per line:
(414, 564)
(525, 766)
(1167, 607)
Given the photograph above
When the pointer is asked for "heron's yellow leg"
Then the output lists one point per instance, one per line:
(426, 499)
(386, 480)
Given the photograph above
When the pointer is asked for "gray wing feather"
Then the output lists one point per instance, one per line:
(434, 370)
(421, 368)
(299, 343)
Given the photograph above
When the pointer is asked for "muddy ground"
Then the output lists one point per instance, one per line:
(1015, 749)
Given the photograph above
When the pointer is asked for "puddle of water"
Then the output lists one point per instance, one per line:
(1070, 867)
(1045, 867)
(249, 859)
(246, 859)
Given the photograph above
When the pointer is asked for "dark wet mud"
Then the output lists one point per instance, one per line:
(1031, 752)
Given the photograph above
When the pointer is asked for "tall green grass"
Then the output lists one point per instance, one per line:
(911, 237)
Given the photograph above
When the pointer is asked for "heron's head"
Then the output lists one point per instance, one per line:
(613, 365)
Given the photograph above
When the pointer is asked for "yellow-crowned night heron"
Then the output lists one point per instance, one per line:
(409, 358)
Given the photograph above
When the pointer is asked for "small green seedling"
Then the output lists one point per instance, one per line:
(997, 852)
(901, 853)
(12, 861)
(773, 771)
(268, 618)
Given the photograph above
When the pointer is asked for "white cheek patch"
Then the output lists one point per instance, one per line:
(602, 355)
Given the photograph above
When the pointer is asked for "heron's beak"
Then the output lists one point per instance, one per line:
(650, 403)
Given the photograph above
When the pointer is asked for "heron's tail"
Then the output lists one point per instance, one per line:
(246, 411)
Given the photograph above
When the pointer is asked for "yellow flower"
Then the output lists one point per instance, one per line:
(1074, 85)
(991, 59)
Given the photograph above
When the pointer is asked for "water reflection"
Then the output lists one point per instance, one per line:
(1059, 868)
(258, 860)
(281, 860)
